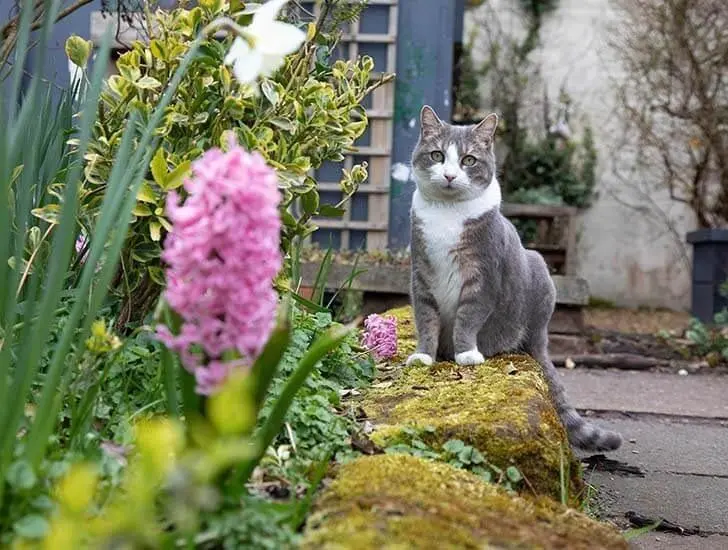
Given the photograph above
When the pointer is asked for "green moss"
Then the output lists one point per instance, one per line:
(502, 408)
(406, 334)
(398, 501)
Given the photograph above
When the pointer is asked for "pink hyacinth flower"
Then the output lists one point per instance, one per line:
(222, 255)
(380, 336)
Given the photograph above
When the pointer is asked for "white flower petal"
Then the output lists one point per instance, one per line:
(239, 48)
(270, 63)
(278, 38)
(247, 68)
(268, 11)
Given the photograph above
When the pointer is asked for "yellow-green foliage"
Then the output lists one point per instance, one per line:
(502, 408)
(399, 501)
(308, 113)
(171, 478)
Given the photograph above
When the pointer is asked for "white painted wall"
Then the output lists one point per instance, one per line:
(633, 255)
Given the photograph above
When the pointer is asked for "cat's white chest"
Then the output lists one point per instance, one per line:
(442, 226)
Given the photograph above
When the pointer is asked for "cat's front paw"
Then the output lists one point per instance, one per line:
(471, 357)
(419, 358)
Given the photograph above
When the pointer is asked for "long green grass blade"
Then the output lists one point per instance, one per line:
(632, 534)
(325, 343)
(131, 180)
(266, 364)
(308, 304)
(21, 54)
(322, 277)
(60, 256)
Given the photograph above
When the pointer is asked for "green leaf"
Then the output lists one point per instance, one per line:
(310, 202)
(159, 167)
(308, 304)
(201, 118)
(329, 211)
(147, 194)
(31, 527)
(48, 213)
(453, 446)
(513, 474)
(266, 364)
(155, 230)
(78, 50)
(42, 502)
(213, 5)
(270, 92)
(177, 118)
(148, 83)
(487, 475)
(16, 172)
(20, 475)
(156, 274)
(141, 210)
(177, 176)
(283, 124)
(157, 48)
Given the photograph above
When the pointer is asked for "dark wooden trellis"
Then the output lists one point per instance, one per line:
(366, 221)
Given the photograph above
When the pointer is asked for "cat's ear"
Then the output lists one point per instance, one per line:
(485, 129)
(429, 122)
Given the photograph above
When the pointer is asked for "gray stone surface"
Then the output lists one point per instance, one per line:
(672, 446)
(666, 541)
(689, 501)
(648, 392)
(675, 430)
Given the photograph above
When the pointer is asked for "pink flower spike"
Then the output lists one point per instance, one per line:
(380, 336)
(222, 255)
(212, 376)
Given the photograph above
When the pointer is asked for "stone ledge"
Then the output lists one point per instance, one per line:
(399, 501)
(501, 408)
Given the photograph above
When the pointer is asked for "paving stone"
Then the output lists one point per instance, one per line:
(687, 500)
(648, 392)
(675, 445)
(667, 541)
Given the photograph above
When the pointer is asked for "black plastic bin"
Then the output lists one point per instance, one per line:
(710, 270)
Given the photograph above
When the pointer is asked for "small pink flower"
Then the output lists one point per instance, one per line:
(222, 253)
(380, 336)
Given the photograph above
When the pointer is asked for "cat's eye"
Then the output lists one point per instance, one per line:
(437, 156)
(468, 160)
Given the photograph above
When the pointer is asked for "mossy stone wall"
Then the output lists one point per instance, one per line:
(503, 409)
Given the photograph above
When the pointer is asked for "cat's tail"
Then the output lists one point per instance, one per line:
(586, 435)
(582, 433)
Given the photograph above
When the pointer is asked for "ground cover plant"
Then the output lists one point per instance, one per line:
(162, 431)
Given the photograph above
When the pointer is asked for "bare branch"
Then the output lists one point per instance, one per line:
(675, 97)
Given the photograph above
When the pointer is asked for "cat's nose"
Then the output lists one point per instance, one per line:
(449, 178)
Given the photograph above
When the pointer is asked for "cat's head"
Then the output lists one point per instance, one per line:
(453, 163)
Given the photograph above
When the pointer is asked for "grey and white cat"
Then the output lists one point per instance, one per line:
(476, 291)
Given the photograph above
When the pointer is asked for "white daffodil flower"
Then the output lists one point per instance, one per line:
(265, 44)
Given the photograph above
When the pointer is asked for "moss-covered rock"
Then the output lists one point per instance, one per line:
(398, 501)
(502, 408)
